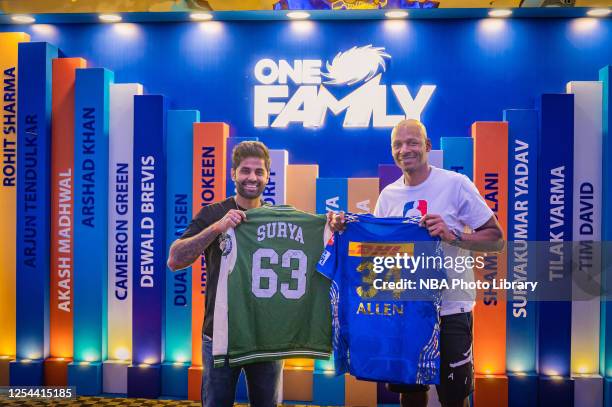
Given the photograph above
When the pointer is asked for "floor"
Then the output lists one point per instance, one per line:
(103, 401)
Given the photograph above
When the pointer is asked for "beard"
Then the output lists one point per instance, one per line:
(249, 194)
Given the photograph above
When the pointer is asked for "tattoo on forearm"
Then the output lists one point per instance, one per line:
(188, 250)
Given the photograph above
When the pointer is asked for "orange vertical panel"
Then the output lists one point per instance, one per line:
(358, 393)
(491, 391)
(62, 204)
(301, 193)
(362, 194)
(297, 383)
(302, 186)
(194, 383)
(209, 179)
(491, 179)
(4, 370)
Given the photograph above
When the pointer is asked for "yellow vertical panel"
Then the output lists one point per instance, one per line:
(8, 188)
(300, 363)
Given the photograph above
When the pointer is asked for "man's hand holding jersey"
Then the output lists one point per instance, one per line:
(434, 224)
(184, 252)
(231, 219)
(436, 227)
(336, 221)
(486, 238)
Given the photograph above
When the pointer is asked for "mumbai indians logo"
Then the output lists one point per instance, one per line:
(299, 91)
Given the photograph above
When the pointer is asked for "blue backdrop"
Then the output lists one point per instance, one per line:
(479, 67)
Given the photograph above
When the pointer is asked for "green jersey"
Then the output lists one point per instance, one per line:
(271, 302)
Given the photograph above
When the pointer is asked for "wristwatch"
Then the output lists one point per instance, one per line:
(458, 237)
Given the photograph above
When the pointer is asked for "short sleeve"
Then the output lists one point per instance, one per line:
(379, 211)
(197, 224)
(328, 261)
(473, 210)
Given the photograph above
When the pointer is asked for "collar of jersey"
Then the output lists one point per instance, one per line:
(240, 208)
(280, 207)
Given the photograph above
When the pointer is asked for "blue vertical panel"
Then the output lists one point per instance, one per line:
(522, 390)
(555, 174)
(33, 208)
(177, 308)
(327, 389)
(522, 186)
(149, 244)
(332, 194)
(90, 227)
(91, 212)
(605, 365)
(231, 143)
(149, 227)
(321, 365)
(242, 395)
(607, 382)
(458, 154)
(178, 214)
(555, 392)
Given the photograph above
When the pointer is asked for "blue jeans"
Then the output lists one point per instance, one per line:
(219, 383)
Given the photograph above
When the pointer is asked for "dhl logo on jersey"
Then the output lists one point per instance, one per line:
(366, 249)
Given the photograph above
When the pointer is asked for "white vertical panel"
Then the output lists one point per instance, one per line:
(121, 145)
(436, 158)
(586, 217)
(588, 391)
(275, 192)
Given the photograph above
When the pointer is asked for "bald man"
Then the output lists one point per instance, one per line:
(448, 203)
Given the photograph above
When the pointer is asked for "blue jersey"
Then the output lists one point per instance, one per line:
(386, 332)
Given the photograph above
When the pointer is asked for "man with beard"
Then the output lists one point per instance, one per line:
(251, 173)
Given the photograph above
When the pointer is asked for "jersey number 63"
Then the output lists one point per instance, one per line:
(258, 273)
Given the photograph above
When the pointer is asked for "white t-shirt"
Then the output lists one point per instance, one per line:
(457, 200)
